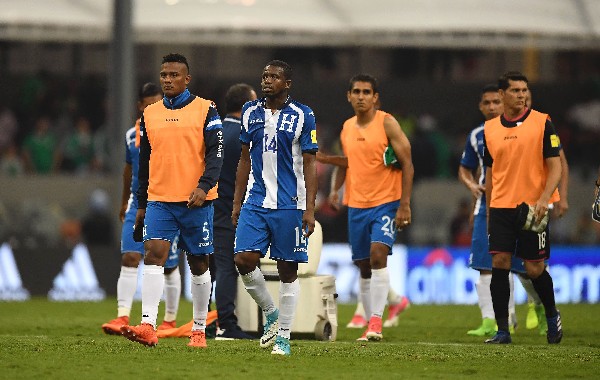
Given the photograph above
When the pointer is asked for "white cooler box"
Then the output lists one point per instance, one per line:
(316, 311)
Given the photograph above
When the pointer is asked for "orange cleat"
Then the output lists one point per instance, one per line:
(114, 327)
(374, 330)
(143, 334)
(363, 337)
(167, 325)
(198, 339)
(394, 312)
(357, 322)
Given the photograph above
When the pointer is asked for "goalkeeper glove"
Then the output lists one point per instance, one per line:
(526, 219)
(138, 233)
(596, 205)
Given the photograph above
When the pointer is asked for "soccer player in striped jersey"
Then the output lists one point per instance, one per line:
(277, 172)
(132, 251)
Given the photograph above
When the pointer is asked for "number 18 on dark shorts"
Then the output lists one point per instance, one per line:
(506, 236)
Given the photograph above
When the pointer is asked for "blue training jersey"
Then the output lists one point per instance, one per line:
(132, 157)
(472, 158)
(277, 141)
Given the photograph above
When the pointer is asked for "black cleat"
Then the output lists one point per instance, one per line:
(501, 337)
(554, 333)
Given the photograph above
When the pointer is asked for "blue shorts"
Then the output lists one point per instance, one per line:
(173, 258)
(165, 219)
(258, 228)
(371, 225)
(480, 258)
(127, 242)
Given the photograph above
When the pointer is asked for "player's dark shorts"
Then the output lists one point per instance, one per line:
(506, 237)
(480, 258)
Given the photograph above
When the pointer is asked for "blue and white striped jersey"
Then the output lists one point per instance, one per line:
(132, 157)
(472, 158)
(277, 141)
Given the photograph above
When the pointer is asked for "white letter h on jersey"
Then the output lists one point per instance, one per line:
(290, 123)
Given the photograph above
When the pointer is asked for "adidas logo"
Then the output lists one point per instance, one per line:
(77, 281)
(11, 286)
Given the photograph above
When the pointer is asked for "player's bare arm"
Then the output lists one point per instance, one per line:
(465, 175)
(332, 160)
(402, 149)
(488, 193)
(126, 192)
(562, 206)
(241, 181)
(554, 169)
(338, 177)
(310, 180)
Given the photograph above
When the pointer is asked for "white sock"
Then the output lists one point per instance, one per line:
(126, 287)
(485, 296)
(201, 286)
(380, 287)
(288, 298)
(153, 283)
(172, 294)
(255, 285)
(531, 293)
(365, 296)
(512, 313)
(360, 310)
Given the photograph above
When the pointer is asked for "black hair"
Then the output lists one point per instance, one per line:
(364, 78)
(490, 87)
(147, 90)
(176, 57)
(236, 96)
(510, 75)
(287, 69)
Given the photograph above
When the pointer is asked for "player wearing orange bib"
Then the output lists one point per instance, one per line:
(181, 138)
(379, 198)
(521, 151)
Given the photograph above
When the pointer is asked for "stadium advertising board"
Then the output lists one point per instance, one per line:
(427, 275)
(433, 275)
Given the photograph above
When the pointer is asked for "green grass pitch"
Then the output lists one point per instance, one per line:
(46, 340)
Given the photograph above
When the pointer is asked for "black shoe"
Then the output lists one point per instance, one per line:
(501, 337)
(554, 334)
(231, 334)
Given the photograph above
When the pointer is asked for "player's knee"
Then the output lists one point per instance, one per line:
(534, 270)
(243, 263)
(199, 264)
(501, 261)
(131, 259)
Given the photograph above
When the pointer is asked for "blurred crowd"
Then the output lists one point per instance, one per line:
(53, 125)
